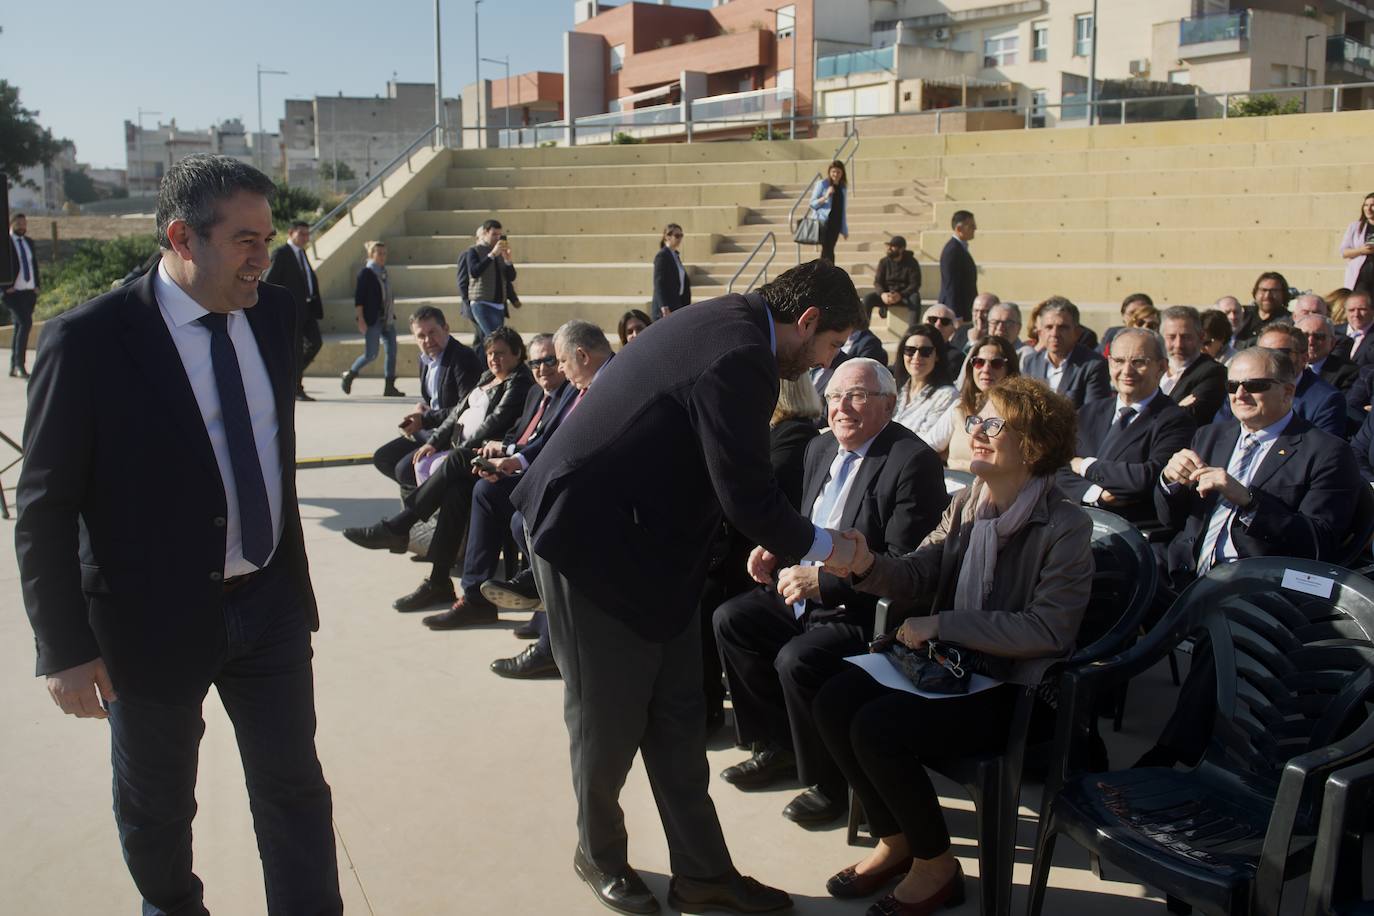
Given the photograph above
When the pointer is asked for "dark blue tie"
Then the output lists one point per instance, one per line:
(255, 517)
(23, 258)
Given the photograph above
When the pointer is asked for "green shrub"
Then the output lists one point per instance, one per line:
(1256, 106)
(764, 132)
(291, 203)
(624, 139)
(89, 270)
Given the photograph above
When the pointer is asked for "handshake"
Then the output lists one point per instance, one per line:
(849, 554)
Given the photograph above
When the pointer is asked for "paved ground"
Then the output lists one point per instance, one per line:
(451, 785)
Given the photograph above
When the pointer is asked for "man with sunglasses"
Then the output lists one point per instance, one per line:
(1314, 399)
(1335, 369)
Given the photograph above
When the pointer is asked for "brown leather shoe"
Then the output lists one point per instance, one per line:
(949, 895)
(464, 613)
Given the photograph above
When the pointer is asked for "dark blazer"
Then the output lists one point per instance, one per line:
(532, 402)
(1305, 498)
(787, 442)
(1085, 374)
(1314, 400)
(286, 273)
(867, 344)
(1363, 357)
(1339, 372)
(503, 409)
(460, 369)
(553, 418)
(1363, 448)
(666, 293)
(692, 398)
(1254, 325)
(105, 575)
(33, 260)
(1129, 463)
(1206, 379)
(367, 292)
(896, 500)
(958, 279)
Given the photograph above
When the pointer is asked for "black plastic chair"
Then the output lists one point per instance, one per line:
(1334, 887)
(1294, 674)
(1123, 588)
(1351, 550)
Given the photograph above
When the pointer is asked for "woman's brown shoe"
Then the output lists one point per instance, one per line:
(950, 895)
(850, 885)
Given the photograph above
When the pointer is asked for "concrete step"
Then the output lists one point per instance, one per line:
(544, 249)
(1329, 213)
(627, 220)
(586, 280)
(1165, 247)
(537, 314)
(775, 172)
(1186, 182)
(598, 196)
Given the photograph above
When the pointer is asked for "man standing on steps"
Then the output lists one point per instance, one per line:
(958, 273)
(376, 316)
(291, 269)
(621, 568)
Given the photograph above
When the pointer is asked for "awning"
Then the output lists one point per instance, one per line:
(647, 94)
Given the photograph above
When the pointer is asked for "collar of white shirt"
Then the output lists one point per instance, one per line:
(1270, 432)
(179, 305)
(1138, 406)
(862, 448)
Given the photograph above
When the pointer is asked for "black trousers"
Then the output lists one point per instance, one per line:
(394, 460)
(625, 695)
(879, 737)
(310, 344)
(776, 664)
(829, 236)
(265, 682)
(20, 304)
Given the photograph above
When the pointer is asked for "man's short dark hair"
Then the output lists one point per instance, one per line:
(1062, 305)
(428, 313)
(960, 216)
(16, 217)
(193, 187)
(1271, 275)
(1182, 313)
(299, 224)
(816, 283)
(491, 224)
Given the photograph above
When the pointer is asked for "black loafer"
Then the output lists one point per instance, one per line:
(624, 893)
(734, 893)
(378, 537)
(464, 613)
(425, 597)
(813, 808)
(767, 766)
(529, 629)
(518, 594)
(529, 665)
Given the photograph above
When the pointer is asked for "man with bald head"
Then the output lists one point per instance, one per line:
(866, 473)
(1242, 324)
(1309, 304)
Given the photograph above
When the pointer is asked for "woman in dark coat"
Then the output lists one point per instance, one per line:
(672, 285)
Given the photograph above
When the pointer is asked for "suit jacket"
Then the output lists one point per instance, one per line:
(1253, 325)
(1363, 448)
(958, 279)
(1339, 371)
(896, 500)
(554, 416)
(1129, 463)
(1363, 356)
(503, 408)
(787, 442)
(105, 573)
(1305, 499)
(286, 273)
(33, 260)
(1314, 400)
(692, 398)
(1085, 375)
(1043, 582)
(667, 293)
(1205, 379)
(460, 369)
(867, 344)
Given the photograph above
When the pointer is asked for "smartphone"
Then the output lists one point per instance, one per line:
(483, 464)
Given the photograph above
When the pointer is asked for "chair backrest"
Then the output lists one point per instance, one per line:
(1124, 580)
(1361, 532)
(957, 480)
(1293, 644)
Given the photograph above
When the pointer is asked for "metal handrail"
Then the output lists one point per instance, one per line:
(806, 191)
(374, 181)
(763, 271)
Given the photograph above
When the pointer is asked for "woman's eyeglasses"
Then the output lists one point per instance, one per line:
(991, 427)
(1251, 385)
(542, 361)
(997, 363)
(923, 352)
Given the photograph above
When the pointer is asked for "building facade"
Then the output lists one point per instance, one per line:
(150, 151)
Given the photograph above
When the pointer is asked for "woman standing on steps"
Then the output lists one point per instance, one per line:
(672, 286)
(829, 204)
(376, 308)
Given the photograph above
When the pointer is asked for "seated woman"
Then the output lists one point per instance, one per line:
(1010, 568)
(924, 389)
(990, 361)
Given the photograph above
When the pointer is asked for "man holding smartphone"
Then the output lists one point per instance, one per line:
(490, 273)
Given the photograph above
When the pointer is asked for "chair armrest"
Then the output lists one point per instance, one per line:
(1344, 796)
(880, 612)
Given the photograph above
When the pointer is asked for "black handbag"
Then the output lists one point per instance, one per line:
(808, 231)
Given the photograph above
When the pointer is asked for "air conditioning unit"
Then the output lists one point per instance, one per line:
(941, 34)
(1140, 67)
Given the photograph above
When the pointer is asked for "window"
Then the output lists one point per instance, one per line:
(1083, 35)
(1040, 41)
(785, 21)
(1278, 75)
(785, 79)
(1181, 77)
(1039, 98)
(617, 58)
(999, 49)
(1073, 94)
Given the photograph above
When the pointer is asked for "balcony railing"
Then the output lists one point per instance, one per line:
(1204, 29)
(869, 61)
(1342, 50)
(756, 105)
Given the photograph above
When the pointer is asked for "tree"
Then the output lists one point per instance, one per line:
(346, 172)
(79, 187)
(23, 141)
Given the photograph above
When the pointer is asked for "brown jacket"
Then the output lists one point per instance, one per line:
(1044, 578)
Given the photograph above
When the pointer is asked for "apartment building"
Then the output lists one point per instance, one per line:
(150, 151)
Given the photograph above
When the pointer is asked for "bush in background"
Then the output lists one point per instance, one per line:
(1258, 106)
(89, 270)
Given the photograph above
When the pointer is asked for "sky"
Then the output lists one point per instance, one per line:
(88, 65)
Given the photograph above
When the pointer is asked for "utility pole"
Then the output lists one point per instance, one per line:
(505, 62)
(257, 153)
(438, 77)
(1092, 72)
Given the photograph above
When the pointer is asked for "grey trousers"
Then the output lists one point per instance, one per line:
(625, 694)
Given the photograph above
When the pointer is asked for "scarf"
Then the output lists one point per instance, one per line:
(989, 533)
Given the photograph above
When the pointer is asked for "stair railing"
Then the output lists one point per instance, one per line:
(762, 271)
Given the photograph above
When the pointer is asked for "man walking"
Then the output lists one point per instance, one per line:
(21, 296)
(621, 569)
(291, 269)
(147, 580)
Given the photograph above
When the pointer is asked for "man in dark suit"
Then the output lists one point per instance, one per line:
(1064, 365)
(621, 568)
(137, 613)
(1124, 442)
(1243, 323)
(21, 296)
(866, 473)
(449, 370)
(1314, 400)
(1353, 336)
(958, 273)
(1195, 381)
(291, 269)
(971, 331)
(1338, 371)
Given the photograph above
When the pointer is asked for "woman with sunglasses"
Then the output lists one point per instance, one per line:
(672, 285)
(991, 361)
(1010, 570)
(924, 389)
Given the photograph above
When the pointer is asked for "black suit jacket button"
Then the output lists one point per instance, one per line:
(216, 576)
(220, 521)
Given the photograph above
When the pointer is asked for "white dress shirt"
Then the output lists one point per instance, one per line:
(1171, 377)
(432, 365)
(20, 284)
(1094, 492)
(1265, 440)
(1054, 375)
(181, 313)
(836, 500)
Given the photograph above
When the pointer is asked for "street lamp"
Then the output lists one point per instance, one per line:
(792, 128)
(438, 79)
(1306, 80)
(257, 158)
(139, 140)
(505, 62)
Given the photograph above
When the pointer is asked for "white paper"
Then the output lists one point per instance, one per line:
(1307, 583)
(880, 667)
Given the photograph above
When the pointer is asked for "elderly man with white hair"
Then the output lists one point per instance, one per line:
(1309, 304)
(866, 473)
(1321, 358)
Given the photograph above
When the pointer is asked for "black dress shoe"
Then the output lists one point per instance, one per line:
(302, 396)
(378, 537)
(518, 594)
(624, 893)
(529, 665)
(734, 893)
(813, 808)
(767, 766)
(426, 596)
(464, 613)
(529, 629)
